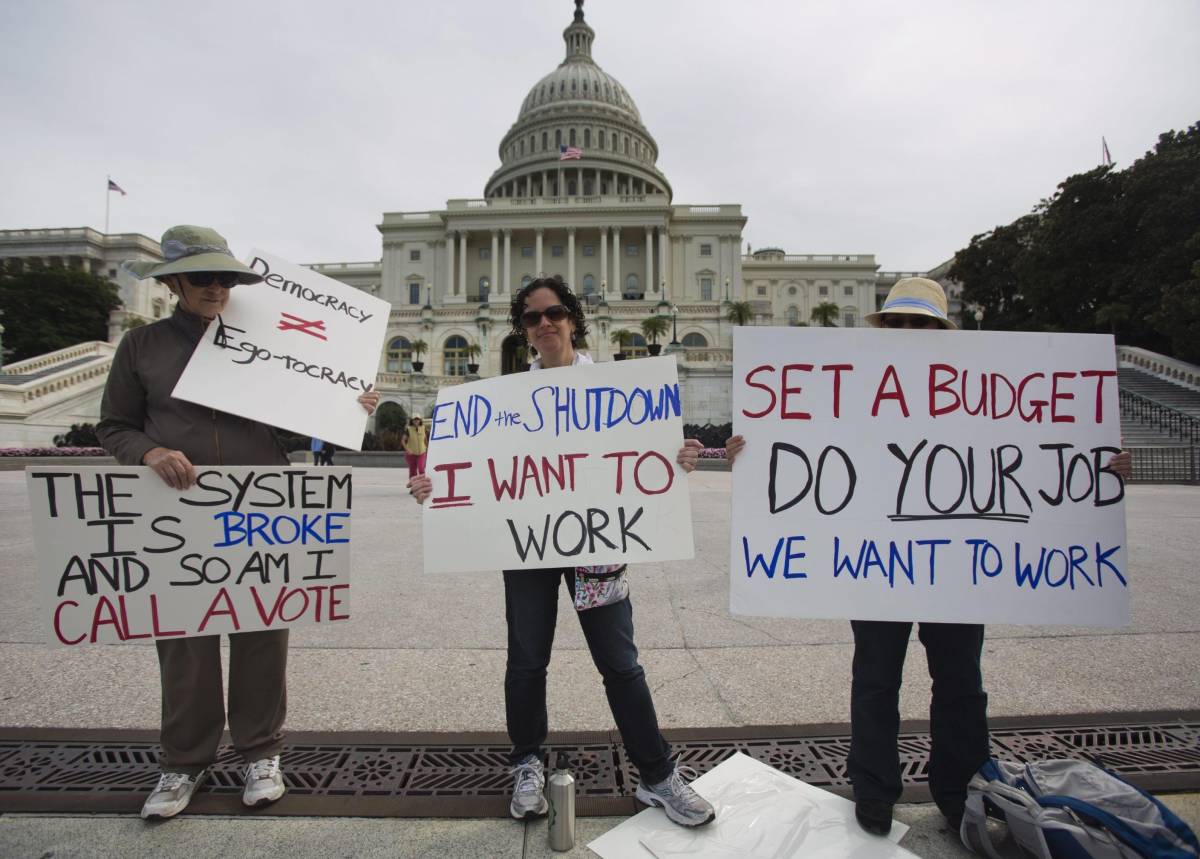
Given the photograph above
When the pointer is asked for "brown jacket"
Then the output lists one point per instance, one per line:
(138, 412)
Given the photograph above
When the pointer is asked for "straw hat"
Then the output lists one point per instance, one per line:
(916, 295)
(188, 248)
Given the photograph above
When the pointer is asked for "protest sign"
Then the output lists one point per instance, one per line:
(122, 556)
(558, 468)
(927, 475)
(293, 351)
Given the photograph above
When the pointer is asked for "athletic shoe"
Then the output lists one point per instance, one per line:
(675, 796)
(873, 816)
(264, 782)
(172, 794)
(529, 785)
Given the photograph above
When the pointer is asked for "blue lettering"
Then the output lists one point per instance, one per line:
(1026, 573)
(436, 419)
(793, 554)
(758, 560)
(1102, 560)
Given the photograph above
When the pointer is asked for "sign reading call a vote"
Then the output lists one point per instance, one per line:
(558, 468)
(948, 476)
(293, 351)
(122, 556)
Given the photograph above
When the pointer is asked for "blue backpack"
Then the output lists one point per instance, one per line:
(1072, 810)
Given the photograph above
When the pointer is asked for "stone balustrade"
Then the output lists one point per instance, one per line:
(1177, 371)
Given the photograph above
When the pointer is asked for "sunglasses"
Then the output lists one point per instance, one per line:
(909, 320)
(204, 279)
(555, 313)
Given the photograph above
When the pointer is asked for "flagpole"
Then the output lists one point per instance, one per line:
(107, 196)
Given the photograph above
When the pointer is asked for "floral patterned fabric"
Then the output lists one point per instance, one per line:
(599, 586)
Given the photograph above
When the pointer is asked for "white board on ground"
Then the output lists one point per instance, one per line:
(294, 351)
(558, 468)
(122, 556)
(761, 814)
(950, 476)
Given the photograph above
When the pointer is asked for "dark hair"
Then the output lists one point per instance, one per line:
(565, 297)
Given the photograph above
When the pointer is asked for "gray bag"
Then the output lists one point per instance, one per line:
(1071, 810)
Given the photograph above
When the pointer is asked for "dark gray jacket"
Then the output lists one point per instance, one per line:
(138, 412)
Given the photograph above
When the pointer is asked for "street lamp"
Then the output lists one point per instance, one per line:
(978, 316)
(726, 290)
(674, 330)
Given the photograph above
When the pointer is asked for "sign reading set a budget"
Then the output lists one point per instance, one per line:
(558, 468)
(928, 476)
(122, 556)
(294, 351)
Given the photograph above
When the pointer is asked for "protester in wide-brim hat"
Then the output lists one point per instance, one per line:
(143, 424)
(914, 302)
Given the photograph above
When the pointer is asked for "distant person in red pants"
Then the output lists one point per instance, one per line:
(416, 446)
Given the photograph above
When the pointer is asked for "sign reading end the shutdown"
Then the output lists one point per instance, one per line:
(928, 476)
(122, 556)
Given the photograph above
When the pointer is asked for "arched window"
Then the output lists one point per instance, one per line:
(587, 138)
(545, 141)
(522, 147)
(399, 356)
(793, 315)
(632, 287)
(849, 317)
(637, 347)
(600, 138)
(454, 356)
(589, 284)
(693, 340)
(626, 145)
(571, 139)
(557, 137)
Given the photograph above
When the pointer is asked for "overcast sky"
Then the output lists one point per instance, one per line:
(894, 128)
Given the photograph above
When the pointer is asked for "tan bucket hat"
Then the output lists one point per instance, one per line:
(188, 248)
(917, 295)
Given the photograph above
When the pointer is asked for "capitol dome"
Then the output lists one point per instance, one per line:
(585, 113)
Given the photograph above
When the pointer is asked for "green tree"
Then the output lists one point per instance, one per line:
(654, 327)
(739, 312)
(825, 314)
(46, 309)
(621, 338)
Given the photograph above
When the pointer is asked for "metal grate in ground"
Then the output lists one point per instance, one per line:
(466, 775)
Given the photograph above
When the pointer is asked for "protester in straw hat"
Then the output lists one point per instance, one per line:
(958, 713)
(142, 424)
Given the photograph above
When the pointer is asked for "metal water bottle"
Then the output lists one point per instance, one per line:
(562, 805)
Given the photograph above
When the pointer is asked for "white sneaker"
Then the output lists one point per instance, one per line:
(676, 797)
(264, 782)
(529, 785)
(172, 794)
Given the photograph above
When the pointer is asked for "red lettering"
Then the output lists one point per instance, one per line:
(267, 618)
(451, 469)
(499, 487)
(837, 384)
(159, 632)
(637, 469)
(1099, 376)
(783, 411)
(58, 622)
(1056, 395)
(1036, 415)
(620, 455)
(334, 602)
(936, 387)
(750, 381)
(1012, 396)
(287, 599)
(111, 620)
(125, 621)
(229, 611)
(897, 393)
(570, 458)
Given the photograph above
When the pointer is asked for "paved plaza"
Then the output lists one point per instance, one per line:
(426, 653)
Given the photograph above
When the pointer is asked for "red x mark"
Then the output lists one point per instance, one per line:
(304, 326)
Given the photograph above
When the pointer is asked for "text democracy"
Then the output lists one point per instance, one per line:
(292, 287)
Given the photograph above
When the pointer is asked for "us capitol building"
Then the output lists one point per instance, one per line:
(578, 192)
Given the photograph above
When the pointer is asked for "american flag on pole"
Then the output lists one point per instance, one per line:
(569, 153)
(113, 186)
(1107, 162)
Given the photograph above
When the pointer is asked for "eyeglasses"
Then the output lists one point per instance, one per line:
(204, 279)
(555, 313)
(909, 320)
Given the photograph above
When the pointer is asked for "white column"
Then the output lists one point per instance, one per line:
(604, 259)
(650, 285)
(615, 283)
(495, 282)
(462, 264)
(537, 253)
(571, 259)
(508, 261)
(449, 263)
(663, 270)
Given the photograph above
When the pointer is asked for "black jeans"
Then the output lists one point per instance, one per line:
(957, 715)
(531, 607)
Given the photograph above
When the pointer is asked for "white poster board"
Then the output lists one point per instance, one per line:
(762, 813)
(558, 468)
(927, 475)
(122, 556)
(294, 351)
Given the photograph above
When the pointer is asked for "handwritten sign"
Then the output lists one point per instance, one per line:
(122, 556)
(293, 351)
(558, 468)
(922, 475)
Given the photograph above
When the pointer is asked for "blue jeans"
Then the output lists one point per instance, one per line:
(531, 608)
(957, 715)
